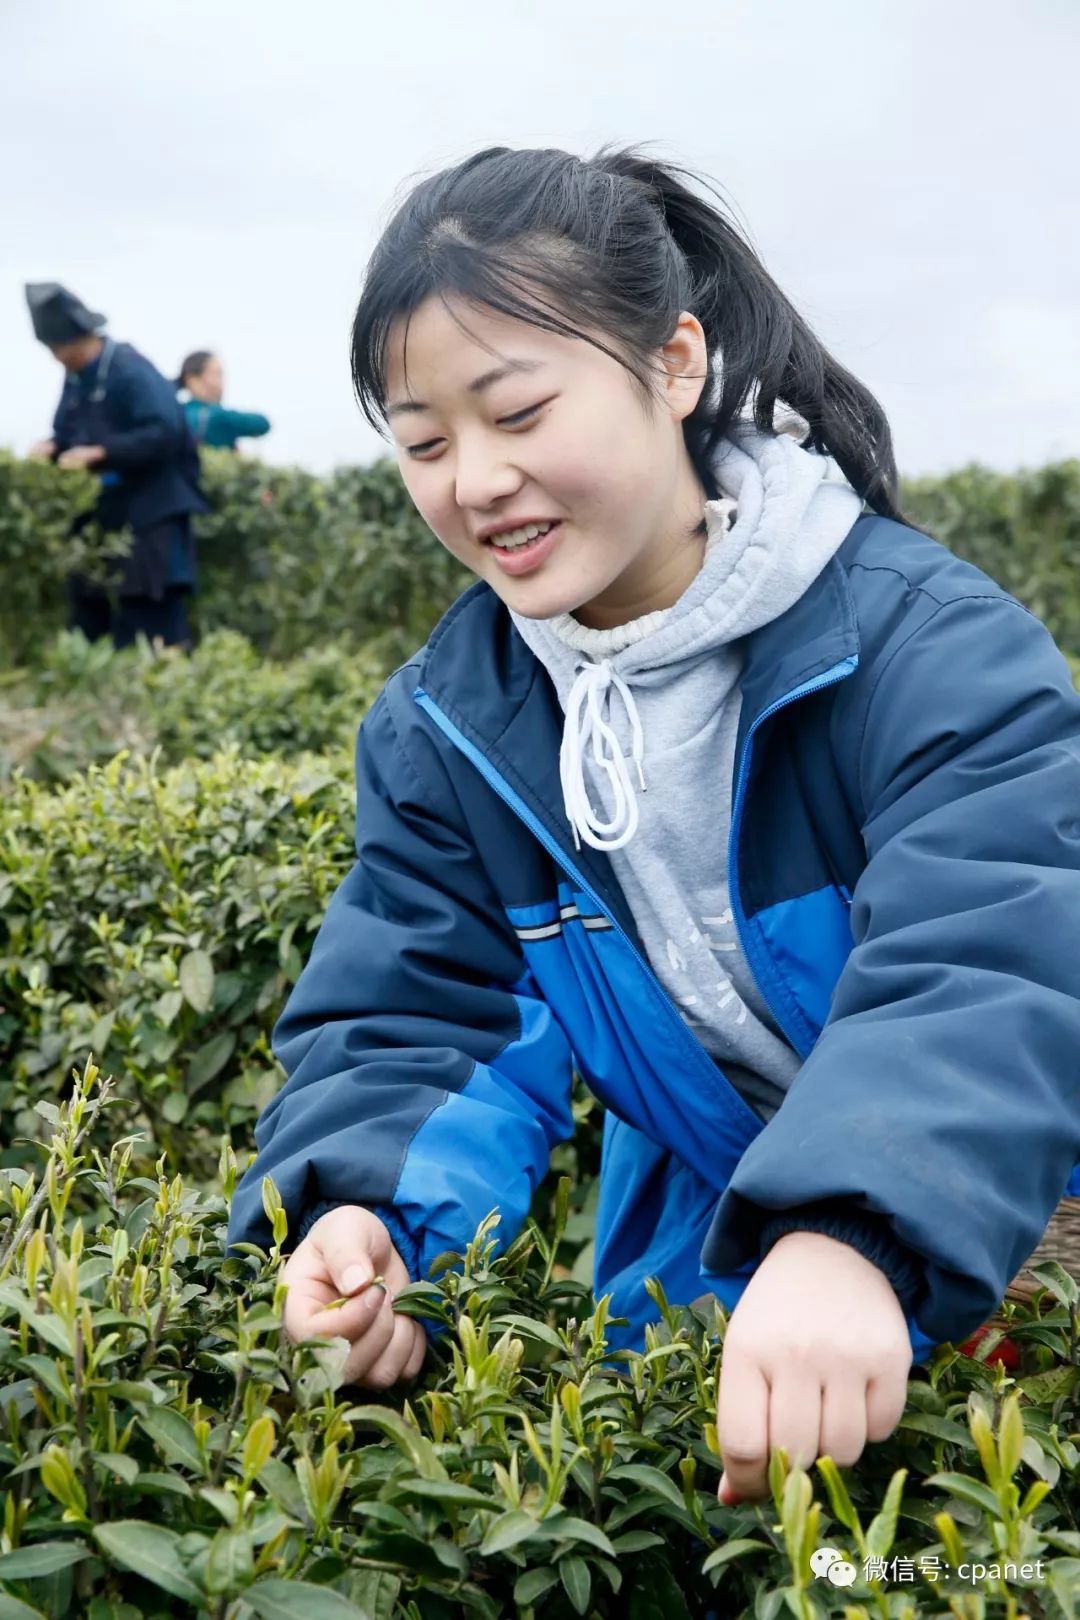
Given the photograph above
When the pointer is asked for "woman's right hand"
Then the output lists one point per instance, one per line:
(44, 450)
(342, 1255)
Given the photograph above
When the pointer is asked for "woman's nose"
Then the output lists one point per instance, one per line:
(483, 478)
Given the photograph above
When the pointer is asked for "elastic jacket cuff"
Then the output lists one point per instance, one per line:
(871, 1235)
(399, 1234)
(315, 1213)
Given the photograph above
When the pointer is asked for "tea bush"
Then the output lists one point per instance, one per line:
(1023, 530)
(292, 561)
(83, 702)
(162, 1450)
(157, 918)
(287, 559)
(38, 505)
(165, 1453)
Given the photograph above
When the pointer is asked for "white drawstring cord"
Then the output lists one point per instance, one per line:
(585, 723)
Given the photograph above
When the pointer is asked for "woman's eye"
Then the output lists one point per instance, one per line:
(521, 416)
(516, 420)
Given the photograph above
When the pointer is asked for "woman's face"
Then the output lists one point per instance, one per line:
(503, 425)
(209, 385)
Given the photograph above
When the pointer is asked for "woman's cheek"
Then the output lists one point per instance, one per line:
(572, 479)
(439, 518)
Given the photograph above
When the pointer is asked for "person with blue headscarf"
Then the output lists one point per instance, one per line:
(120, 418)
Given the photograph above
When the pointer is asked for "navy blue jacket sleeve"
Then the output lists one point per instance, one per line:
(63, 436)
(148, 417)
(940, 1107)
(426, 1078)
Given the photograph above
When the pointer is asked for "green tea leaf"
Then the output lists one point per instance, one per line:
(1044, 1388)
(258, 1445)
(418, 1449)
(968, 1490)
(533, 1584)
(635, 1541)
(150, 1551)
(507, 1531)
(174, 1434)
(175, 1107)
(231, 1561)
(1054, 1276)
(940, 1427)
(840, 1501)
(300, 1600)
(882, 1531)
(282, 1484)
(731, 1550)
(125, 1468)
(1010, 1436)
(447, 1492)
(48, 1373)
(222, 1501)
(563, 1526)
(12, 1608)
(528, 1328)
(197, 980)
(577, 1582)
(208, 1060)
(153, 1483)
(650, 1479)
(375, 1591)
(43, 1558)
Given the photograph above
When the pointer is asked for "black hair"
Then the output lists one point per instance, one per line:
(627, 243)
(194, 365)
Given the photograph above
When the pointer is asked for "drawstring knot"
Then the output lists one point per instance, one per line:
(585, 726)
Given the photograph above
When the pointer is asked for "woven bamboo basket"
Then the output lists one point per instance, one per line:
(1060, 1242)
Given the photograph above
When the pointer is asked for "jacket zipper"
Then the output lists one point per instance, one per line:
(831, 677)
(689, 1040)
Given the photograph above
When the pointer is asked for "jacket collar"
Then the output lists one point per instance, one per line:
(818, 632)
(479, 672)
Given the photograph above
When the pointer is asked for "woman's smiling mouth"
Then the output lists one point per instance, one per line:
(519, 551)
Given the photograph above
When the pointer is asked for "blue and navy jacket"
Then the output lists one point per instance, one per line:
(904, 869)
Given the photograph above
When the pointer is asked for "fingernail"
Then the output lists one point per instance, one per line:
(727, 1495)
(354, 1279)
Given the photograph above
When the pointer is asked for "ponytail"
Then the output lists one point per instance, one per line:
(767, 353)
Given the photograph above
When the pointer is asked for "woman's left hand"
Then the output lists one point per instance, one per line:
(815, 1359)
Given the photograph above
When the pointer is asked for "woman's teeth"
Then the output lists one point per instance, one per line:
(513, 539)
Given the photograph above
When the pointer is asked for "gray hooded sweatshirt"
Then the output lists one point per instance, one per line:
(652, 711)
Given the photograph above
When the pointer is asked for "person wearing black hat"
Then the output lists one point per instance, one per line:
(119, 417)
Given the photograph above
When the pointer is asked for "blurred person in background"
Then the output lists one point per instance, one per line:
(212, 423)
(120, 418)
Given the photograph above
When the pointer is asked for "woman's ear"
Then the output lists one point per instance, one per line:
(685, 359)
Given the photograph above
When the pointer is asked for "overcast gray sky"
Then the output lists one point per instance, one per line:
(215, 175)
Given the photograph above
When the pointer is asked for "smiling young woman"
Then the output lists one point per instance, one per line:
(722, 786)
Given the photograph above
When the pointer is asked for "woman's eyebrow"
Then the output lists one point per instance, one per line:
(477, 386)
